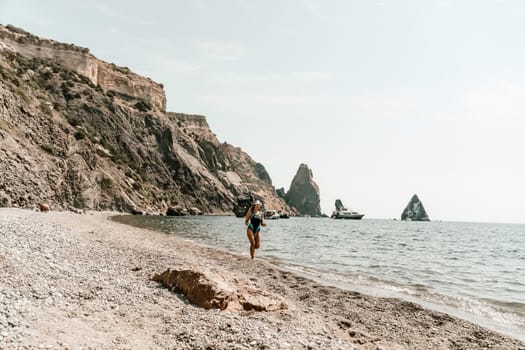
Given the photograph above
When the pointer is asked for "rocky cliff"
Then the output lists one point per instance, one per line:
(415, 211)
(77, 59)
(304, 193)
(79, 132)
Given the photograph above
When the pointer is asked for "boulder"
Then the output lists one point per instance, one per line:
(304, 193)
(195, 211)
(44, 207)
(5, 201)
(338, 204)
(176, 211)
(415, 211)
(242, 204)
(211, 290)
(135, 211)
(199, 289)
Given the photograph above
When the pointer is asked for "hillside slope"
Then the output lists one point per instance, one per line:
(79, 132)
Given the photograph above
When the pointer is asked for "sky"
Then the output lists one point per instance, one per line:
(381, 98)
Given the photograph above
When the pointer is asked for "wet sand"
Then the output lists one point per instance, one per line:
(83, 281)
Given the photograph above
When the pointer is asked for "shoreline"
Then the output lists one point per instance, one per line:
(508, 322)
(446, 308)
(70, 283)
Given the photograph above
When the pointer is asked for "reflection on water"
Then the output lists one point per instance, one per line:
(474, 266)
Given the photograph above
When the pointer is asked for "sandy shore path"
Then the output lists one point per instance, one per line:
(71, 281)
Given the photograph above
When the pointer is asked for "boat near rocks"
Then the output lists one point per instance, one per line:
(341, 212)
(347, 214)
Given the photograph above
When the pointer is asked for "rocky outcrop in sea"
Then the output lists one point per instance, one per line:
(304, 193)
(415, 211)
(78, 132)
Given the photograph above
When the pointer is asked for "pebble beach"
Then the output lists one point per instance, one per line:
(83, 281)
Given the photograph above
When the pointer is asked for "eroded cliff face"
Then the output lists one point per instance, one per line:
(304, 192)
(106, 75)
(235, 170)
(75, 140)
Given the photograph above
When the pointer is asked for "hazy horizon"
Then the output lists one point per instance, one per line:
(382, 99)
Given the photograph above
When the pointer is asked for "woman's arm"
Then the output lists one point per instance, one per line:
(248, 214)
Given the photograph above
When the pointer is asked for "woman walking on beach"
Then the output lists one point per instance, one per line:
(254, 220)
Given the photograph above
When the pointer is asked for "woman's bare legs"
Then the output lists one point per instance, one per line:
(257, 239)
(251, 237)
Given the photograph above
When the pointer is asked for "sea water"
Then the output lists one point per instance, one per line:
(472, 270)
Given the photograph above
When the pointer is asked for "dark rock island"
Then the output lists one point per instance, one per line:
(415, 211)
(303, 194)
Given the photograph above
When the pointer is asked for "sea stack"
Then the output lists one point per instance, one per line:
(415, 211)
(304, 193)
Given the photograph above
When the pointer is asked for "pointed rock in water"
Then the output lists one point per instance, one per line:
(338, 204)
(415, 211)
(304, 193)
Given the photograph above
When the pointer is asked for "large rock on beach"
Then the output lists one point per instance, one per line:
(44, 207)
(415, 211)
(304, 193)
(211, 290)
